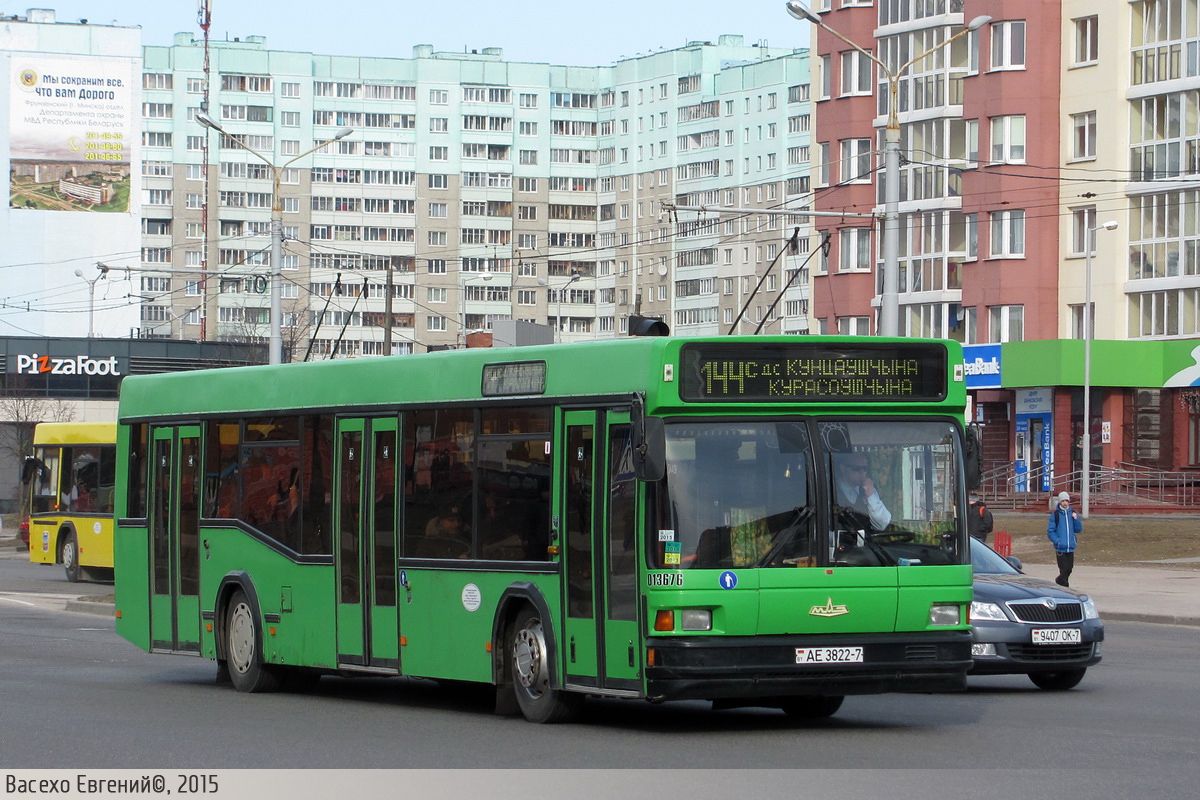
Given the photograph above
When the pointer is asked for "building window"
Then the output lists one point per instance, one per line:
(854, 326)
(1008, 139)
(1082, 221)
(1008, 45)
(857, 75)
(435, 323)
(826, 78)
(1008, 234)
(1006, 324)
(856, 161)
(1083, 135)
(854, 250)
(1087, 41)
(1077, 331)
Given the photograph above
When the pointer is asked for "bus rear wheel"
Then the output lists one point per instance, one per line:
(531, 671)
(244, 647)
(70, 557)
(813, 707)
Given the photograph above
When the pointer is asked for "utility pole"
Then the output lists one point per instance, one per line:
(387, 314)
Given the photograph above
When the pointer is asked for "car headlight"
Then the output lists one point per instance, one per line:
(988, 611)
(1089, 609)
(696, 619)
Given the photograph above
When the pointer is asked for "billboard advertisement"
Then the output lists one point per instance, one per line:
(72, 134)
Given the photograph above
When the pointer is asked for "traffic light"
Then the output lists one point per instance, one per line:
(648, 326)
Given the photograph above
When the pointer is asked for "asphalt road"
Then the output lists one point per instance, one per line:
(74, 696)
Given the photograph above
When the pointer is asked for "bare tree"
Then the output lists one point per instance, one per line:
(255, 328)
(20, 411)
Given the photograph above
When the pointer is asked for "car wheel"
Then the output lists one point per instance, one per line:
(70, 557)
(812, 707)
(1057, 681)
(243, 648)
(531, 671)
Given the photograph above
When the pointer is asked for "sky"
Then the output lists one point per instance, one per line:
(579, 33)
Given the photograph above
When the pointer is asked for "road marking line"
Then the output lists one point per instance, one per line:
(15, 600)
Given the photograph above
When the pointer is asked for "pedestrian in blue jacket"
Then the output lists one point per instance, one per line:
(1061, 530)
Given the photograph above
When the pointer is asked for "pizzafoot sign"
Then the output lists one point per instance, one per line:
(34, 364)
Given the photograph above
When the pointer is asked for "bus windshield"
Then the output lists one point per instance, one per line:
(747, 494)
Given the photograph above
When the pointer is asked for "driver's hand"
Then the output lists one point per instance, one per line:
(868, 486)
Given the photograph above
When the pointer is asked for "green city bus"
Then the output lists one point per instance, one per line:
(768, 521)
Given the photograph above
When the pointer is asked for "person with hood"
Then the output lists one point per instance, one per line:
(1062, 530)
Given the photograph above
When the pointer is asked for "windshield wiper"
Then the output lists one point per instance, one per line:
(786, 534)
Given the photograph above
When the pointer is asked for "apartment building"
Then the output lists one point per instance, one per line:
(1023, 143)
(472, 189)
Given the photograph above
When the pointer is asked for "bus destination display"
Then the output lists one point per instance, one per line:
(782, 373)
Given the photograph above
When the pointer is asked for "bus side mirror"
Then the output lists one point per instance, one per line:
(649, 443)
(28, 470)
(973, 455)
(650, 458)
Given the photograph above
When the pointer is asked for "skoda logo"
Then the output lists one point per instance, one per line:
(1050, 603)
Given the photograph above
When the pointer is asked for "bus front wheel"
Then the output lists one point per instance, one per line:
(70, 556)
(244, 647)
(531, 668)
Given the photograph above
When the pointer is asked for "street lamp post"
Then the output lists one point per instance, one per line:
(276, 341)
(889, 303)
(575, 275)
(1087, 366)
(462, 306)
(91, 282)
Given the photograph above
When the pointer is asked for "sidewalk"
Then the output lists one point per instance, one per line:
(1137, 594)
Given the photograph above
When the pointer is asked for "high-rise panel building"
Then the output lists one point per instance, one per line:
(472, 189)
(1046, 157)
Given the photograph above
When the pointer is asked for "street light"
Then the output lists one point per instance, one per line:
(462, 304)
(1087, 364)
(276, 342)
(889, 303)
(575, 275)
(91, 282)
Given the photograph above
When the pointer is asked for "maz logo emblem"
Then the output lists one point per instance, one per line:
(828, 610)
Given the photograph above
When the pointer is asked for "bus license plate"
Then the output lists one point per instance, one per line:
(1056, 636)
(829, 655)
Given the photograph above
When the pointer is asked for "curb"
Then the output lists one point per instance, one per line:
(91, 607)
(1157, 619)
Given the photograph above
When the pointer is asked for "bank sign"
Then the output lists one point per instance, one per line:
(33, 364)
(982, 366)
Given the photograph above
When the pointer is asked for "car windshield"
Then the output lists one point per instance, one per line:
(986, 561)
(748, 494)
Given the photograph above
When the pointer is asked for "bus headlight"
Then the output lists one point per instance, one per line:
(695, 619)
(945, 614)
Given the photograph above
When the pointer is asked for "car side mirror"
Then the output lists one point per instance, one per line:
(1016, 563)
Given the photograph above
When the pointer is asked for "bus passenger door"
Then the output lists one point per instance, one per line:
(600, 642)
(175, 534)
(365, 510)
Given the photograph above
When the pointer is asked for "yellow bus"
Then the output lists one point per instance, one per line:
(70, 478)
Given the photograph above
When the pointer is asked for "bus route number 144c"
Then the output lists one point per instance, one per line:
(829, 655)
